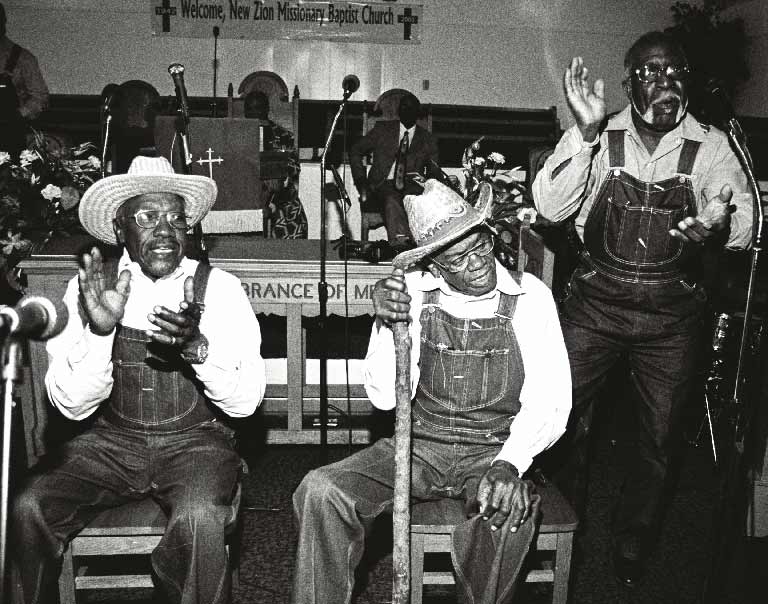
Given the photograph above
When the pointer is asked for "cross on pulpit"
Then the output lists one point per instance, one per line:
(166, 11)
(210, 161)
(407, 19)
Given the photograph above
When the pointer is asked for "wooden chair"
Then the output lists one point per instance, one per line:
(432, 525)
(385, 109)
(129, 530)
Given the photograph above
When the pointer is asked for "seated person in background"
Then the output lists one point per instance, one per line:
(281, 194)
(399, 148)
(476, 432)
(135, 106)
(164, 361)
(23, 92)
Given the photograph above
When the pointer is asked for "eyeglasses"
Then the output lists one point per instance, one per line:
(460, 263)
(149, 219)
(652, 72)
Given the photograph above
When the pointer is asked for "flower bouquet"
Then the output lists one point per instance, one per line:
(39, 194)
(510, 206)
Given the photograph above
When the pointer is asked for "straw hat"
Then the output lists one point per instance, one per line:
(145, 175)
(440, 216)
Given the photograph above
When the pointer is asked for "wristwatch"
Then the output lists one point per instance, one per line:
(198, 355)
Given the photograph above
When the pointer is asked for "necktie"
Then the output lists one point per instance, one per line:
(402, 152)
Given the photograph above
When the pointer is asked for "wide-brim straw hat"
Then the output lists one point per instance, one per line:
(145, 175)
(440, 216)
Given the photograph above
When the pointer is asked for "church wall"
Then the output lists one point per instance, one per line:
(485, 52)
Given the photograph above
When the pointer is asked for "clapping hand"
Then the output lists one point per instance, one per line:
(103, 307)
(715, 217)
(177, 328)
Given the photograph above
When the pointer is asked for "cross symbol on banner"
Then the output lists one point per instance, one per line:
(166, 11)
(210, 161)
(407, 19)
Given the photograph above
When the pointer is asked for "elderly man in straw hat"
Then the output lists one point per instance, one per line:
(161, 361)
(491, 390)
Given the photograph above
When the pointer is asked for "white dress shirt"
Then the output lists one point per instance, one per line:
(411, 131)
(79, 376)
(545, 398)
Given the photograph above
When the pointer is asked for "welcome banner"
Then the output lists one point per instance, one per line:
(370, 22)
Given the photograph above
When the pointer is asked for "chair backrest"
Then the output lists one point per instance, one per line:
(386, 108)
(135, 106)
(283, 110)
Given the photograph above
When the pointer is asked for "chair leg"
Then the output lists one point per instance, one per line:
(562, 568)
(417, 568)
(67, 578)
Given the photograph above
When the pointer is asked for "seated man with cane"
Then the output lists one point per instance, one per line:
(491, 389)
(164, 350)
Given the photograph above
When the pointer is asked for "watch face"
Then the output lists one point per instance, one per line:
(199, 356)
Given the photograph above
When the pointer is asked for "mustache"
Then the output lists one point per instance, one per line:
(668, 96)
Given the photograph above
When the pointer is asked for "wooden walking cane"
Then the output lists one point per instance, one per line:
(401, 509)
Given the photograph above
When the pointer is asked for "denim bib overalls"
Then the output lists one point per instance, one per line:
(471, 375)
(632, 297)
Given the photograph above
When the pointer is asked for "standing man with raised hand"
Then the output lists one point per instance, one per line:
(650, 189)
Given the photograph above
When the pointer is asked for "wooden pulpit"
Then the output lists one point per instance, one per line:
(227, 150)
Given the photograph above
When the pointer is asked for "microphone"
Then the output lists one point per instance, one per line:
(350, 84)
(725, 109)
(35, 317)
(109, 95)
(216, 31)
(177, 74)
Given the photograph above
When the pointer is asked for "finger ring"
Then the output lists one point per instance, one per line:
(173, 340)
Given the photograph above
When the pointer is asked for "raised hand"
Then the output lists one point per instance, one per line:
(586, 104)
(103, 307)
(715, 217)
(180, 328)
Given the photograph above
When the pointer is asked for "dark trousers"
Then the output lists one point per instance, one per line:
(390, 201)
(336, 505)
(656, 329)
(192, 474)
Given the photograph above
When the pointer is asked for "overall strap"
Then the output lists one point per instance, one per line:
(507, 306)
(687, 156)
(13, 58)
(616, 148)
(201, 281)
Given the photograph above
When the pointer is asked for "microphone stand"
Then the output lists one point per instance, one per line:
(10, 374)
(729, 515)
(182, 128)
(215, 65)
(322, 286)
(345, 203)
(107, 123)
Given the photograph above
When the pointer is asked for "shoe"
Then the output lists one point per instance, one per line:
(628, 562)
